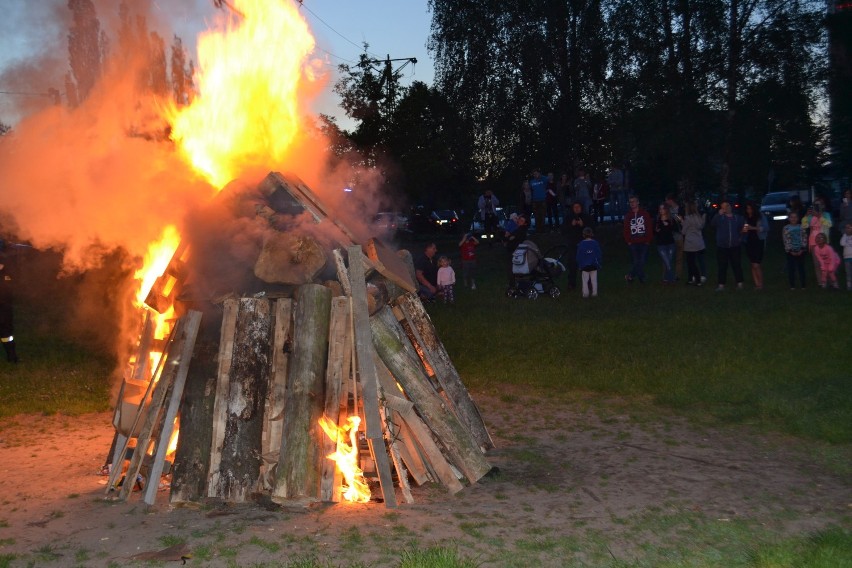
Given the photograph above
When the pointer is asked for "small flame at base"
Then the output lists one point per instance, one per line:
(346, 458)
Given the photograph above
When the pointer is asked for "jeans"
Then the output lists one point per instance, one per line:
(667, 255)
(795, 265)
(847, 264)
(729, 256)
(693, 271)
(639, 253)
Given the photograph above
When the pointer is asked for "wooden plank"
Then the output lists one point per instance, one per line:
(389, 265)
(273, 414)
(342, 272)
(248, 379)
(193, 321)
(367, 372)
(312, 202)
(297, 476)
(220, 406)
(392, 345)
(393, 443)
(153, 420)
(410, 453)
(431, 347)
(337, 331)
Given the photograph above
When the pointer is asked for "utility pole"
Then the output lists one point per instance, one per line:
(389, 77)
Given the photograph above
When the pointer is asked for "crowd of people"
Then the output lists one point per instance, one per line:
(677, 232)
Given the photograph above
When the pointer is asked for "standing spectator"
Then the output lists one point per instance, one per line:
(467, 247)
(846, 243)
(426, 271)
(795, 246)
(756, 229)
(618, 190)
(664, 229)
(446, 279)
(525, 200)
(693, 243)
(674, 213)
(638, 234)
(828, 261)
(583, 190)
(816, 222)
(538, 185)
(575, 222)
(845, 210)
(563, 192)
(729, 233)
(590, 260)
(487, 205)
(551, 202)
(600, 194)
(7, 328)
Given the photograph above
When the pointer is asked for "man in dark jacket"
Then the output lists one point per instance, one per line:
(572, 228)
(426, 270)
(729, 235)
(6, 321)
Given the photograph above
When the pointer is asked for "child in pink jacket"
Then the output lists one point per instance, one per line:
(827, 259)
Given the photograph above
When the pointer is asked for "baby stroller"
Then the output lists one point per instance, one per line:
(534, 272)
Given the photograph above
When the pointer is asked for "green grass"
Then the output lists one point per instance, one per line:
(775, 358)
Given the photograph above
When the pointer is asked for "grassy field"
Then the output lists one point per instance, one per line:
(776, 358)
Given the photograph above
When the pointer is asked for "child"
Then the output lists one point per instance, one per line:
(467, 246)
(828, 260)
(446, 279)
(846, 243)
(795, 246)
(589, 259)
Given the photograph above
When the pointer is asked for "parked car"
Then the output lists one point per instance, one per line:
(477, 226)
(387, 224)
(774, 205)
(422, 221)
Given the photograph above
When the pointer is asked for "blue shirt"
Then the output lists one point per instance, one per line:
(539, 188)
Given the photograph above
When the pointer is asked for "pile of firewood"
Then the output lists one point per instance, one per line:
(249, 402)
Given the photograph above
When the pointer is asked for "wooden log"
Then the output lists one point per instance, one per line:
(273, 413)
(230, 310)
(342, 271)
(290, 259)
(392, 434)
(192, 456)
(243, 395)
(297, 476)
(153, 420)
(439, 360)
(367, 373)
(334, 378)
(193, 322)
(462, 448)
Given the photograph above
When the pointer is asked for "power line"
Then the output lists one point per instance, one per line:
(326, 24)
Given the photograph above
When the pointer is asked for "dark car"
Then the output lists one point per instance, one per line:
(422, 221)
(478, 228)
(387, 224)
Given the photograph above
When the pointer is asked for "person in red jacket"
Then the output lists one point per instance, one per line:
(638, 234)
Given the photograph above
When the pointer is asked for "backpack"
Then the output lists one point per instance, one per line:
(526, 257)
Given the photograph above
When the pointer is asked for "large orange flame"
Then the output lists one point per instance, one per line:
(246, 112)
(346, 458)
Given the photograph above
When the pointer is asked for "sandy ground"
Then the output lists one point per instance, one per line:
(582, 480)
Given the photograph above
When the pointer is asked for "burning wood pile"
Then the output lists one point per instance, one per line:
(301, 392)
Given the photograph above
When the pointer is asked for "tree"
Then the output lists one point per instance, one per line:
(86, 45)
(181, 73)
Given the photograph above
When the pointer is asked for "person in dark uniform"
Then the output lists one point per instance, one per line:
(6, 320)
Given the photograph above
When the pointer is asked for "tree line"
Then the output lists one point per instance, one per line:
(697, 95)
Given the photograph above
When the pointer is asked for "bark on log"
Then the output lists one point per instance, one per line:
(273, 413)
(290, 259)
(244, 396)
(192, 456)
(337, 332)
(462, 448)
(298, 474)
(439, 360)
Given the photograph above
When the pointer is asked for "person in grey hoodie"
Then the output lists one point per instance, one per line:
(693, 244)
(729, 234)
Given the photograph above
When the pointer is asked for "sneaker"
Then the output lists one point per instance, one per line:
(473, 286)
(739, 285)
(703, 279)
(628, 278)
(720, 288)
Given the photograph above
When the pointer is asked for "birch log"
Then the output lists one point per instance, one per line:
(462, 448)
(242, 392)
(297, 477)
